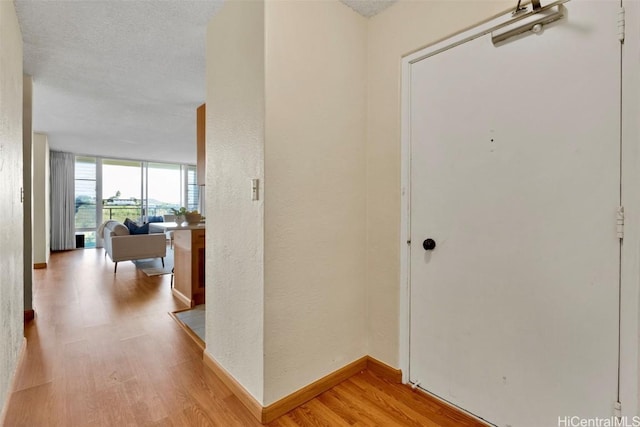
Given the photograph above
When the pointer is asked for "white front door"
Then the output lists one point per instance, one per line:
(515, 175)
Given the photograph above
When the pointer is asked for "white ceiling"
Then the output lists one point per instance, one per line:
(121, 78)
(368, 8)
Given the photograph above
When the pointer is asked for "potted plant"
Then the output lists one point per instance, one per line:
(182, 214)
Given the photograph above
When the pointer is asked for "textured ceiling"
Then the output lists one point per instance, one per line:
(368, 8)
(117, 78)
(122, 78)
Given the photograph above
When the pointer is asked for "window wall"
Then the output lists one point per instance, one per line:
(85, 196)
(119, 188)
(122, 193)
(193, 190)
(164, 188)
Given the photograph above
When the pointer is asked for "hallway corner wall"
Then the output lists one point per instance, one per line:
(11, 214)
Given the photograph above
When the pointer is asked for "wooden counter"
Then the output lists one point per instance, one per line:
(188, 281)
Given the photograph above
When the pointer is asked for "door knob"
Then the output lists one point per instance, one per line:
(429, 244)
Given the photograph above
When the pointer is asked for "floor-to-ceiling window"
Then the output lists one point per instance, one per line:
(118, 189)
(193, 191)
(164, 191)
(121, 189)
(86, 219)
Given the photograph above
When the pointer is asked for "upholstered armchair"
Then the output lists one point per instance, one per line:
(122, 246)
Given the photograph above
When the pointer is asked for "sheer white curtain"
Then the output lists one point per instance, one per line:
(62, 201)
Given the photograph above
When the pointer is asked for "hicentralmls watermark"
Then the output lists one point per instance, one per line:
(575, 421)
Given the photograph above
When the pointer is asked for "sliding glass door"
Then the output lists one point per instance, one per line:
(193, 202)
(117, 189)
(86, 214)
(122, 190)
(163, 188)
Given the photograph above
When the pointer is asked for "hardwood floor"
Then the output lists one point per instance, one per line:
(103, 351)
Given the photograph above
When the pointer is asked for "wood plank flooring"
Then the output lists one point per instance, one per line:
(103, 351)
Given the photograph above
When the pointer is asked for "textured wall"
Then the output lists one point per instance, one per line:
(235, 155)
(11, 244)
(27, 146)
(328, 290)
(403, 28)
(315, 310)
(40, 198)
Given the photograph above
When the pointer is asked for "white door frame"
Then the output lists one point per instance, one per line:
(630, 286)
(630, 290)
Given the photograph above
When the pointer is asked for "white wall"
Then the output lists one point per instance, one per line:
(328, 291)
(41, 202)
(235, 155)
(27, 144)
(315, 243)
(313, 299)
(313, 185)
(401, 29)
(11, 214)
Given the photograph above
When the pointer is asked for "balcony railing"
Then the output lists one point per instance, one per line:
(86, 213)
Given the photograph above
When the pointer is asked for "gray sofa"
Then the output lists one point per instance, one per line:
(122, 246)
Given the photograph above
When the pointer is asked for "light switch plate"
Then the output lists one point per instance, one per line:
(255, 189)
